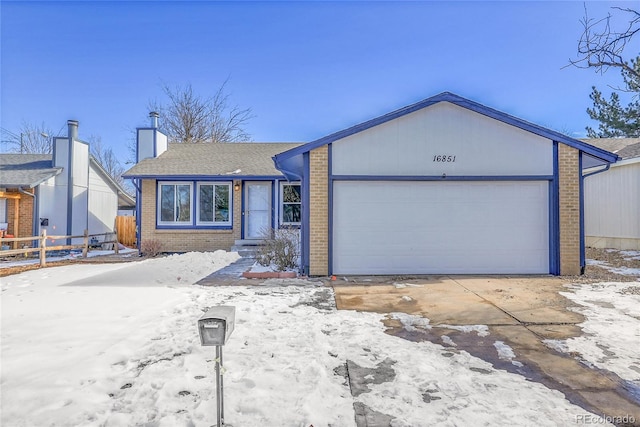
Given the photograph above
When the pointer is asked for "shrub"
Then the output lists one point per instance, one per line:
(281, 249)
(151, 247)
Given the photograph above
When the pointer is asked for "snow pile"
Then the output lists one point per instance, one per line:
(117, 345)
(505, 352)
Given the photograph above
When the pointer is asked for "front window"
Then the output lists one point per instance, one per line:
(291, 206)
(214, 204)
(175, 203)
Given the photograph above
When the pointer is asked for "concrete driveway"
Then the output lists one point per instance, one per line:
(520, 311)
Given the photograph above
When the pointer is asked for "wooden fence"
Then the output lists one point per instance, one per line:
(42, 248)
(126, 226)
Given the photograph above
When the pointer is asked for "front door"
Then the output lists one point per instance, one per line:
(257, 211)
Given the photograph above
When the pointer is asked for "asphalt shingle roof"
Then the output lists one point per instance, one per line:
(26, 170)
(623, 147)
(213, 159)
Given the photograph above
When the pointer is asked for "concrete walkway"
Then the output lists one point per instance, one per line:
(229, 275)
(521, 311)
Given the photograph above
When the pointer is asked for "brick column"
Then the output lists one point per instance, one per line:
(319, 211)
(569, 201)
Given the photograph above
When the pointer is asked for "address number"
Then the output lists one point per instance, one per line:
(446, 159)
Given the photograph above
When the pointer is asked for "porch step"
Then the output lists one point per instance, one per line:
(247, 248)
(249, 242)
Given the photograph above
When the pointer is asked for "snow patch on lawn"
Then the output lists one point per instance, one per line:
(611, 327)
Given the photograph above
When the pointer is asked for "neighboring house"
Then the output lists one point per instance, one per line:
(612, 199)
(443, 186)
(65, 192)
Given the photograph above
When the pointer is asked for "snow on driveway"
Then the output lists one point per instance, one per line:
(117, 345)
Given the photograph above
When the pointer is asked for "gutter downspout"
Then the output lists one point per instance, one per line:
(138, 201)
(583, 261)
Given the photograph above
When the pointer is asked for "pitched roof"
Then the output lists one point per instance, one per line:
(284, 158)
(212, 159)
(31, 170)
(26, 170)
(624, 147)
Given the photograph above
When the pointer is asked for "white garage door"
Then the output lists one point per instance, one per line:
(440, 227)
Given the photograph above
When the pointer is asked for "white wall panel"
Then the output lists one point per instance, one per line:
(612, 202)
(103, 204)
(408, 145)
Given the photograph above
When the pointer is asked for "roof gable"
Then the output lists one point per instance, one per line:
(459, 101)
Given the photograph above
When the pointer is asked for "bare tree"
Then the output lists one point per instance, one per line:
(31, 138)
(107, 159)
(601, 45)
(191, 118)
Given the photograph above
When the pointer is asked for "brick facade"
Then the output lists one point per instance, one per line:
(25, 215)
(569, 209)
(188, 239)
(319, 211)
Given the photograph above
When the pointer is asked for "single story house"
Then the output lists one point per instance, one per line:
(612, 199)
(443, 186)
(65, 192)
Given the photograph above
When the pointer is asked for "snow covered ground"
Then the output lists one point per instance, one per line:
(117, 345)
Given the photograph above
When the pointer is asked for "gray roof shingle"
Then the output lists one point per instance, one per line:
(213, 159)
(26, 170)
(623, 147)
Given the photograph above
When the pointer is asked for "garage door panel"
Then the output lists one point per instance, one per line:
(440, 227)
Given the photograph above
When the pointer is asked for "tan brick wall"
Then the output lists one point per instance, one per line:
(569, 200)
(319, 211)
(25, 216)
(188, 239)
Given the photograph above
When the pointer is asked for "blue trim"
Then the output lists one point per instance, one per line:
(155, 143)
(137, 184)
(606, 168)
(440, 178)
(229, 177)
(554, 216)
(273, 204)
(69, 189)
(191, 227)
(305, 224)
(137, 145)
(583, 262)
(330, 207)
(242, 191)
(461, 102)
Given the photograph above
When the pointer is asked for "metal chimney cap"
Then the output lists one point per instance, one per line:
(72, 122)
(154, 114)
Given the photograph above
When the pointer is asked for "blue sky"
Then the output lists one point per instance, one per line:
(306, 69)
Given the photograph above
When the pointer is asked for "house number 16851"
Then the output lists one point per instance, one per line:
(447, 159)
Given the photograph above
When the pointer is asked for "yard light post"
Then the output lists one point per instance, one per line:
(21, 137)
(215, 327)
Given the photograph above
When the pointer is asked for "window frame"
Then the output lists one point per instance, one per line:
(194, 206)
(175, 184)
(282, 203)
(214, 223)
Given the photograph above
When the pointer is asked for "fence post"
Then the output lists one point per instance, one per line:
(43, 248)
(86, 244)
(116, 244)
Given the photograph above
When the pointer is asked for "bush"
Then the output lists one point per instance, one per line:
(281, 249)
(151, 248)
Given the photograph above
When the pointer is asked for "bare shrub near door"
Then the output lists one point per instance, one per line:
(281, 248)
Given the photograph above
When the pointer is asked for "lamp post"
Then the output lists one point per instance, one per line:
(21, 137)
